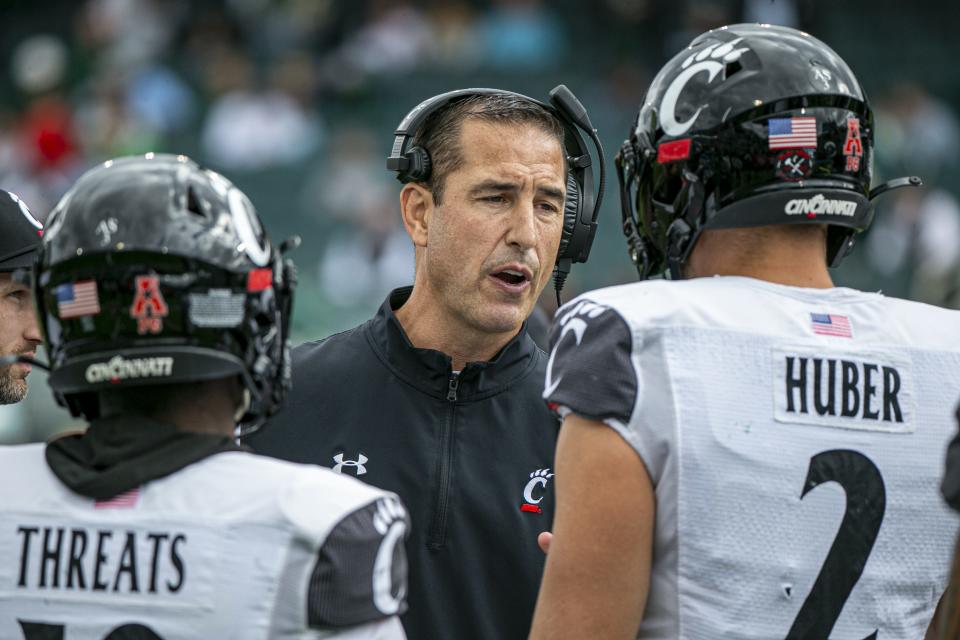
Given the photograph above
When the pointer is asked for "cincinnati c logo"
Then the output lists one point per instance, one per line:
(578, 326)
(390, 522)
(570, 322)
(711, 61)
(538, 480)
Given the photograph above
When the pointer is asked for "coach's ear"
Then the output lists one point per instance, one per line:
(416, 207)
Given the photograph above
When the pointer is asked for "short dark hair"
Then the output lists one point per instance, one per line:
(440, 134)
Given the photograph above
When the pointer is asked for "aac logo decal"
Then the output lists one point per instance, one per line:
(853, 145)
(538, 481)
(358, 464)
(711, 61)
(148, 308)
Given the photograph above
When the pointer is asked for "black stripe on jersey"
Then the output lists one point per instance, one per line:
(360, 575)
(590, 369)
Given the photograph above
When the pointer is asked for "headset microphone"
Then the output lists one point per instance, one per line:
(564, 99)
(6, 361)
(573, 109)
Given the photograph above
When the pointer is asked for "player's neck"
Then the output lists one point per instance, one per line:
(791, 257)
(206, 420)
(428, 325)
(207, 407)
(775, 273)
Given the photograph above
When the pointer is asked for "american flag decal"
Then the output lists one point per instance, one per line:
(827, 324)
(792, 133)
(77, 299)
(125, 500)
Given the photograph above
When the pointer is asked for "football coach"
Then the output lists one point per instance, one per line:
(19, 334)
(437, 397)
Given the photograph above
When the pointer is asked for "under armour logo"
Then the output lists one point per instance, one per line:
(538, 478)
(358, 463)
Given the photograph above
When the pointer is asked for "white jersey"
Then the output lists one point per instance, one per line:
(795, 439)
(234, 546)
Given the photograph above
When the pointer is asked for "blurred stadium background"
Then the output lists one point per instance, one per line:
(296, 102)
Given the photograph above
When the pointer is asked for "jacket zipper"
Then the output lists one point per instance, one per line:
(438, 526)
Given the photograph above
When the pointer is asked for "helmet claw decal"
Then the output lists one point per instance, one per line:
(710, 60)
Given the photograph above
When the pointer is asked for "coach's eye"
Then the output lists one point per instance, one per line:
(549, 206)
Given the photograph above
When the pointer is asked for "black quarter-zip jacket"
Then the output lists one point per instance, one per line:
(470, 454)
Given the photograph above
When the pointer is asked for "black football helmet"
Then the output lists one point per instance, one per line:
(751, 125)
(21, 233)
(152, 271)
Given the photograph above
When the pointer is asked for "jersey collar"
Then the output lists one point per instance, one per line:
(430, 370)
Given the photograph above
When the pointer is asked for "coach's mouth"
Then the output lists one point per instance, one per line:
(513, 277)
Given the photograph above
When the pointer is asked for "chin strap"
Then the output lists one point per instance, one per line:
(627, 175)
(678, 244)
(840, 247)
(896, 183)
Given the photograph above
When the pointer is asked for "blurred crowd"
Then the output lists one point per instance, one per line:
(296, 100)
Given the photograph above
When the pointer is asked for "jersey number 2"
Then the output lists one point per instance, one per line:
(866, 503)
(44, 631)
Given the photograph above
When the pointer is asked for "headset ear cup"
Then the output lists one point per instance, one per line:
(571, 214)
(420, 165)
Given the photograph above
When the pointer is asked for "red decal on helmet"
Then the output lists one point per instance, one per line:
(149, 307)
(673, 151)
(853, 145)
(259, 280)
(794, 165)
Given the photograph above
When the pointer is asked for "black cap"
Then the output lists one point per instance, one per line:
(20, 233)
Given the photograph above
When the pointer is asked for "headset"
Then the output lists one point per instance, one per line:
(582, 204)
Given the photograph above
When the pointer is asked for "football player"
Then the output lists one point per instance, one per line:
(748, 451)
(19, 333)
(165, 309)
(949, 616)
